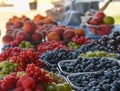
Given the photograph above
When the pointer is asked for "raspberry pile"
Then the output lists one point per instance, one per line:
(80, 40)
(51, 45)
(37, 73)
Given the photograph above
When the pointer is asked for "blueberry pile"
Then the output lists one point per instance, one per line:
(53, 57)
(89, 65)
(93, 46)
(100, 81)
(112, 42)
(107, 43)
(51, 67)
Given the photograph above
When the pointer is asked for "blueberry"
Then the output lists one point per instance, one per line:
(113, 88)
(85, 83)
(100, 73)
(70, 69)
(106, 87)
(86, 69)
(116, 84)
(82, 89)
(90, 85)
(110, 80)
(116, 67)
(64, 67)
(97, 89)
(94, 83)
(119, 76)
(92, 79)
(93, 89)
(108, 74)
(84, 78)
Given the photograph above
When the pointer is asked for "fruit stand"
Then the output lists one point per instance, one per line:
(42, 54)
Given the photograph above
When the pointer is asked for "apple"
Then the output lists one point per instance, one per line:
(100, 14)
(96, 21)
(108, 20)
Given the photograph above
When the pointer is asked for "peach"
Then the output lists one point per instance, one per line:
(59, 31)
(38, 17)
(29, 26)
(18, 24)
(68, 34)
(47, 21)
(53, 36)
(80, 32)
(37, 36)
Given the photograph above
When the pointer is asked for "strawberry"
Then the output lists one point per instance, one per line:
(28, 82)
(100, 14)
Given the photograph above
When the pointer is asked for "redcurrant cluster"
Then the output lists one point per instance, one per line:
(26, 57)
(8, 53)
(38, 74)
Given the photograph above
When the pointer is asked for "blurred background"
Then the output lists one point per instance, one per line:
(10, 8)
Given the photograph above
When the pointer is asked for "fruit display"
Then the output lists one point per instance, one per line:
(100, 24)
(7, 67)
(9, 82)
(34, 79)
(99, 81)
(65, 33)
(26, 57)
(26, 44)
(109, 43)
(90, 54)
(51, 45)
(24, 28)
(56, 78)
(112, 41)
(22, 57)
(40, 55)
(88, 65)
(92, 46)
(51, 67)
(77, 41)
(57, 55)
(9, 52)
